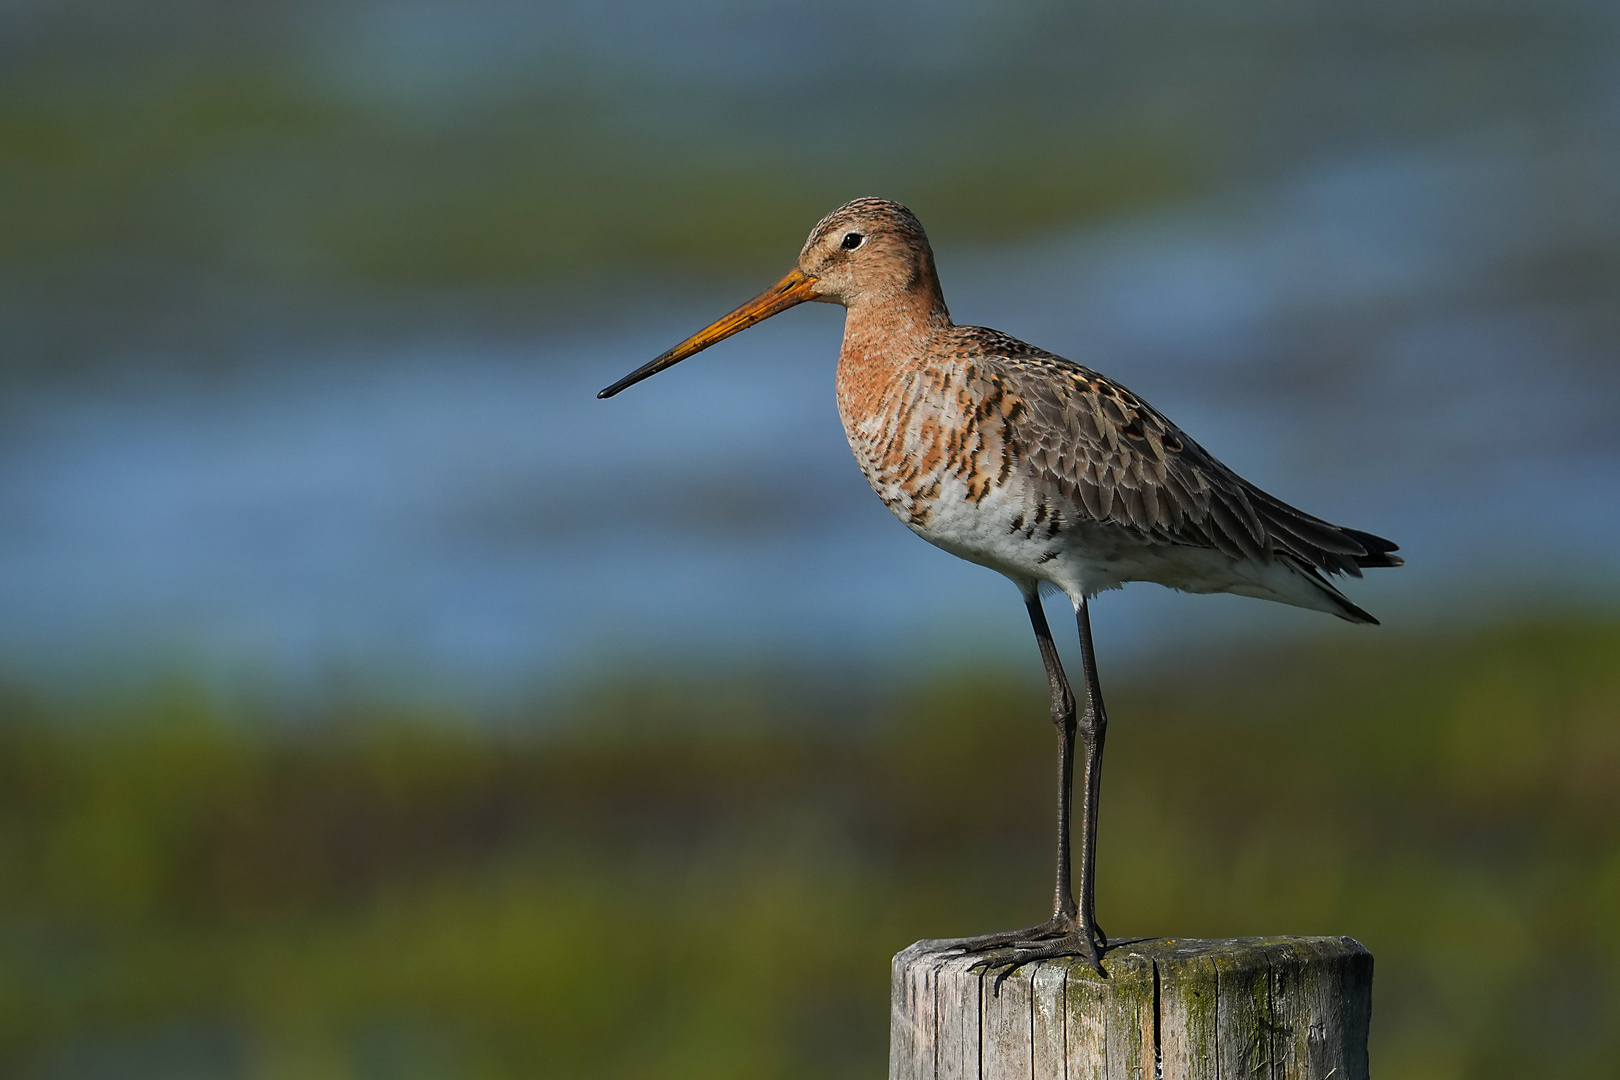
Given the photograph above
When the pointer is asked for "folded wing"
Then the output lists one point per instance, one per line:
(1127, 465)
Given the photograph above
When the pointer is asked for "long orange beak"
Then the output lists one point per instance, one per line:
(795, 288)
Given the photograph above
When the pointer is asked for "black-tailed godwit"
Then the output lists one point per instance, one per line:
(1045, 470)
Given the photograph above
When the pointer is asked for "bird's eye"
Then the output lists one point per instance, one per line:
(852, 240)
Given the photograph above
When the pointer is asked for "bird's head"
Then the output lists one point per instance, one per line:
(868, 251)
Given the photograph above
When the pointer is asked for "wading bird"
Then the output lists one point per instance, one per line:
(1053, 474)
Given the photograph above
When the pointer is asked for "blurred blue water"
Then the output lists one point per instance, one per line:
(1414, 344)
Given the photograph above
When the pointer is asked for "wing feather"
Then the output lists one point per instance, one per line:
(1124, 463)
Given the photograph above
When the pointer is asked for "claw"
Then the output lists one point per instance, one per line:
(1077, 944)
(1050, 940)
(1012, 938)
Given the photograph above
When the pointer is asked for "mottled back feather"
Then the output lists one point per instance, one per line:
(1121, 460)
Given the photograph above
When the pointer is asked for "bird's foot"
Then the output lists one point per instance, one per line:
(1062, 935)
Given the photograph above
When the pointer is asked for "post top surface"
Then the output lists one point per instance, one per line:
(1135, 953)
(1183, 1008)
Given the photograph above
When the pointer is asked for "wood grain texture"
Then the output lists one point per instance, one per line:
(1282, 1008)
(1009, 1025)
(957, 999)
(912, 1015)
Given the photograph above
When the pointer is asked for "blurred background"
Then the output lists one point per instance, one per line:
(375, 703)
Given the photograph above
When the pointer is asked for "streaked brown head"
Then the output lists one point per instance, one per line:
(868, 251)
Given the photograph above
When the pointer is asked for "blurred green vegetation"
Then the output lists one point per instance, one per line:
(706, 880)
(187, 180)
(246, 170)
(397, 144)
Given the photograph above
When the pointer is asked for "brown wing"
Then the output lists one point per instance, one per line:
(1120, 459)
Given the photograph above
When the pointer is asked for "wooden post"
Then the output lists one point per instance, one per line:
(1281, 1008)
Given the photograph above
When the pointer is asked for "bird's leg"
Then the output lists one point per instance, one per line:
(1093, 726)
(1072, 929)
(1063, 719)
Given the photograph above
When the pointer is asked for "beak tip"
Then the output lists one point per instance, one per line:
(793, 289)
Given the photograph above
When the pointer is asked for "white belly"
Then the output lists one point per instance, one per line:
(1082, 557)
(1001, 531)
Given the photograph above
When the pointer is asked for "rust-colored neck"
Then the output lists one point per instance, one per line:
(889, 342)
(898, 322)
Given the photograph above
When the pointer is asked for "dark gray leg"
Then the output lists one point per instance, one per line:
(1063, 719)
(1072, 930)
(1093, 726)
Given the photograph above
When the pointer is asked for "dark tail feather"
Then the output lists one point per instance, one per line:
(1342, 606)
(1352, 613)
(1378, 550)
(1330, 548)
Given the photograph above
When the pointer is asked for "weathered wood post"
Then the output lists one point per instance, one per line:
(1281, 1008)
